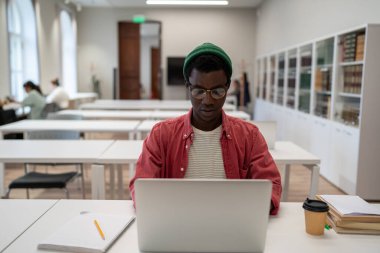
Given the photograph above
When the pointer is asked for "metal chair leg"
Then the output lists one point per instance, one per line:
(67, 193)
(6, 196)
(82, 179)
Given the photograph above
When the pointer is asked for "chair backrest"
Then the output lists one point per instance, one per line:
(268, 130)
(49, 108)
(7, 116)
(57, 134)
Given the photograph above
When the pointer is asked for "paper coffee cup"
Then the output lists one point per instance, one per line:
(315, 216)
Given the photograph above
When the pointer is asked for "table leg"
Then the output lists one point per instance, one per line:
(97, 181)
(2, 173)
(2, 178)
(131, 170)
(112, 180)
(314, 168)
(285, 185)
(120, 180)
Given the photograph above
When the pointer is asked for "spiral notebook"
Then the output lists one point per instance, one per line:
(80, 233)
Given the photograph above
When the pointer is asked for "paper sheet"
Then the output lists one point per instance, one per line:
(352, 205)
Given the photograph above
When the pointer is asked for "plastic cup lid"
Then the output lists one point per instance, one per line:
(315, 205)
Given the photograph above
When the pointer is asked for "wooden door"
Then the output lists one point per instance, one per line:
(156, 73)
(129, 60)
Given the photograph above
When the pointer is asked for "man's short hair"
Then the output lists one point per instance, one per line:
(206, 58)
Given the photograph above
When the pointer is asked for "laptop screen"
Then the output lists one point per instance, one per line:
(202, 215)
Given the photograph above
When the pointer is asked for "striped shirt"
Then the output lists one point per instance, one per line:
(205, 155)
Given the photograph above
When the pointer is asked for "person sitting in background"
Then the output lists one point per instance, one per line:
(35, 100)
(235, 91)
(58, 95)
(205, 142)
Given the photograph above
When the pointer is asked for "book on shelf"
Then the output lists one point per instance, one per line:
(351, 214)
(81, 234)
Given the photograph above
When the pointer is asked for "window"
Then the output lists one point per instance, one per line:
(23, 54)
(68, 53)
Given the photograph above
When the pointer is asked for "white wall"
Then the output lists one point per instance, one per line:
(182, 30)
(284, 23)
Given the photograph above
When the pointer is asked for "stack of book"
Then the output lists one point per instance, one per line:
(360, 47)
(352, 79)
(349, 46)
(352, 215)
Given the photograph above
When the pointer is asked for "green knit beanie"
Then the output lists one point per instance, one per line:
(207, 48)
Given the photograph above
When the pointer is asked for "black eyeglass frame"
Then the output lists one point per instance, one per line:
(203, 94)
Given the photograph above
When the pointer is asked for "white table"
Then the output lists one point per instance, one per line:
(287, 153)
(51, 151)
(111, 126)
(160, 115)
(120, 152)
(139, 114)
(16, 216)
(284, 153)
(145, 127)
(144, 105)
(83, 97)
(110, 114)
(286, 231)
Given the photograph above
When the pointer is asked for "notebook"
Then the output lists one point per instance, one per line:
(212, 215)
(80, 233)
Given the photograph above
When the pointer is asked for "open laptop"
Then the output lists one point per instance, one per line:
(198, 215)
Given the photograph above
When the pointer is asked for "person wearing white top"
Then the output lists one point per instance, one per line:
(58, 95)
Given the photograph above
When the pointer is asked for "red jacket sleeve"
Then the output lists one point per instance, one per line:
(262, 166)
(150, 161)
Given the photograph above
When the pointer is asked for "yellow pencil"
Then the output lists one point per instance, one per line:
(99, 229)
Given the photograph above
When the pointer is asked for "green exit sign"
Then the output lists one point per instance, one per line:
(138, 19)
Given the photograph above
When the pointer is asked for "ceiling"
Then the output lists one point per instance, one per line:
(141, 3)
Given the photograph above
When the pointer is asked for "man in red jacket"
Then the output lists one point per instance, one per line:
(205, 142)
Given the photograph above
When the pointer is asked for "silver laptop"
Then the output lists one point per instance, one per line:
(196, 215)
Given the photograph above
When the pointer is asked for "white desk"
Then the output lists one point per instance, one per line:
(139, 114)
(287, 153)
(112, 126)
(51, 151)
(83, 97)
(16, 216)
(111, 114)
(286, 231)
(120, 152)
(145, 127)
(160, 115)
(144, 105)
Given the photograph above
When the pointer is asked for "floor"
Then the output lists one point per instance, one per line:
(298, 190)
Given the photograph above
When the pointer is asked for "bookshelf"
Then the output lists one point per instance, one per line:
(291, 78)
(304, 92)
(265, 78)
(326, 100)
(281, 79)
(272, 78)
(350, 73)
(323, 77)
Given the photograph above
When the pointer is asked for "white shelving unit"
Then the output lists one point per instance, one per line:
(335, 114)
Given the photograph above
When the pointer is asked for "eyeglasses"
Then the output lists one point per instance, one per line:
(199, 93)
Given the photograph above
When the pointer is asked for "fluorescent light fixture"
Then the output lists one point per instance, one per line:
(186, 2)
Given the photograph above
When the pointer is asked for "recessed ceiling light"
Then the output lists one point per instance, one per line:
(186, 2)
